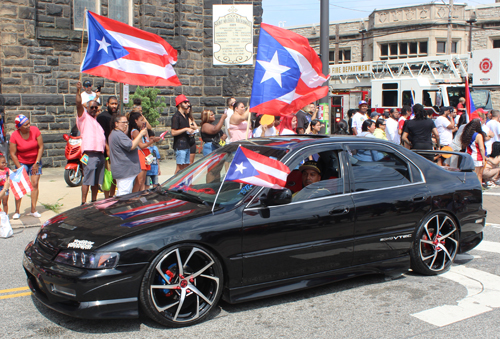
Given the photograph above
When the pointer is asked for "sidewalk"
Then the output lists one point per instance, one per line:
(54, 191)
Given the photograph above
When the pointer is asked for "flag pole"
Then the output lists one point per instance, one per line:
(248, 123)
(222, 183)
(81, 45)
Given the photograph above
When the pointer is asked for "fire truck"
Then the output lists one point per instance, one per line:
(431, 81)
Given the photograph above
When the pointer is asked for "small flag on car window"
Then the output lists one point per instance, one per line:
(252, 168)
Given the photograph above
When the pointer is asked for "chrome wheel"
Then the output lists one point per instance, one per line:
(437, 244)
(183, 285)
(73, 178)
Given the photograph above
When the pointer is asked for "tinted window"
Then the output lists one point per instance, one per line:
(332, 178)
(377, 167)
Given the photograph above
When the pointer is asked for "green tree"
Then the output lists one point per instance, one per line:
(151, 104)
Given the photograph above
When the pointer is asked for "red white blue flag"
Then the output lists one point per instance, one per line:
(252, 168)
(20, 183)
(287, 73)
(122, 53)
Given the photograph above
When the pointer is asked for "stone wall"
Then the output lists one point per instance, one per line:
(40, 58)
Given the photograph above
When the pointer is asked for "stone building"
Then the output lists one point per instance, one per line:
(40, 57)
(411, 31)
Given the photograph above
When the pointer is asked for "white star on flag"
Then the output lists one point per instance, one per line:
(103, 44)
(240, 168)
(273, 69)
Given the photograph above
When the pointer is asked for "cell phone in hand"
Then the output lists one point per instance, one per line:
(144, 125)
(98, 88)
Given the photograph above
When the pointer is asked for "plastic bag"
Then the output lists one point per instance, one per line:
(107, 181)
(5, 228)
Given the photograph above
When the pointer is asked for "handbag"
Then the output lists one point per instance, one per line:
(108, 180)
(217, 142)
(5, 228)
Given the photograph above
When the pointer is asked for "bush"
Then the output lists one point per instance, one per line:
(151, 105)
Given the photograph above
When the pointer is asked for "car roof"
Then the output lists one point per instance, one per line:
(292, 142)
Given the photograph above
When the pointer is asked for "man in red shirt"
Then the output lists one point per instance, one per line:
(93, 146)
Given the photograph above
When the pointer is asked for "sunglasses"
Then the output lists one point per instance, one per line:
(94, 107)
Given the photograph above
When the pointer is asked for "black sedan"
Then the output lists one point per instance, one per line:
(174, 251)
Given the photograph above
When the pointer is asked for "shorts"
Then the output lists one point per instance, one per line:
(478, 163)
(93, 172)
(151, 180)
(208, 148)
(6, 192)
(192, 149)
(182, 156)
(28, 168)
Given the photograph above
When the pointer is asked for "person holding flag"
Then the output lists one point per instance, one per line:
(26, 149)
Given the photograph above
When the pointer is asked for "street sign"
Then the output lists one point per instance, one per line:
(125, 93)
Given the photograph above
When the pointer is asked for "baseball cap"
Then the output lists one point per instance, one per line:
(444, 109)
(87, 83)
(362, 102)
(180, 98)
(311, 165)
(374, 114)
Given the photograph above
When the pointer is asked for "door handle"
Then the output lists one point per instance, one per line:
(419, 198)
(339, 210)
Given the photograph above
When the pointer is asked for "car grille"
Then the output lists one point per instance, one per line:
(45, 249)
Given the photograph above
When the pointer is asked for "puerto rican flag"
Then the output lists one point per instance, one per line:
(252, 168)
(287, 73)
(122, 53)
(20, 183)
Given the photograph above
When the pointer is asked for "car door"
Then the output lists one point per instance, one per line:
(306, 236)
(390, 197)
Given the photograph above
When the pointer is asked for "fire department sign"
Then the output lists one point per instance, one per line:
(232, 34)
(485, 65)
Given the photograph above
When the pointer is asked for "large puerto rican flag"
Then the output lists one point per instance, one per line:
(122, 53)
(20, 182)
(252, 168)
(287, 74)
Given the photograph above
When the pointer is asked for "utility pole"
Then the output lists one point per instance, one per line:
(337, 41)
(448, 39)
(324, 50)
(471, 21)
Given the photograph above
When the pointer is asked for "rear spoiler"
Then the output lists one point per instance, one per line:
(464, 163)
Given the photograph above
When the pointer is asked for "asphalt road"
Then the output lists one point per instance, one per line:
(463, 303)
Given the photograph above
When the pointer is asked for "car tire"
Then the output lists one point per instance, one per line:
(436, 244)
(178, 298)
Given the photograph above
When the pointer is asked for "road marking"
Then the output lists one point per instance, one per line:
(493, 225)
(14, 289)
(14, 295)
(483, 294)
(488, 246)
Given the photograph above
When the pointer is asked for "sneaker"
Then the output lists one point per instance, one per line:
(16, 216)
(491, 184)
(35, 214)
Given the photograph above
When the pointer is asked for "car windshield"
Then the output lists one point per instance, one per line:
(200, 181)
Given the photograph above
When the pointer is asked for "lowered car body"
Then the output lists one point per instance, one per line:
(379, 208)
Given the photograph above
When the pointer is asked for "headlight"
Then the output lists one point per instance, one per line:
(79, 258)
(74, 142)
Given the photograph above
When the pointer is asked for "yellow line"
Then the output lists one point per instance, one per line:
(15, 295)
(15, 289)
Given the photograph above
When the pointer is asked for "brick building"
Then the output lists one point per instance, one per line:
(40, 60)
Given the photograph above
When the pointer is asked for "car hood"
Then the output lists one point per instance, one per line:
(91, 226)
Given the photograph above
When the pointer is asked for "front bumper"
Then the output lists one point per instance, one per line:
(83, 293)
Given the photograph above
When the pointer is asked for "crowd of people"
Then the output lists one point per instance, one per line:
(452, 130)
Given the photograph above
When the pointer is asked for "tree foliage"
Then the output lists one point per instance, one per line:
(151, 104)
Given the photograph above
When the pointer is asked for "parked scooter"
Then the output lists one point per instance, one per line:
(73, 174)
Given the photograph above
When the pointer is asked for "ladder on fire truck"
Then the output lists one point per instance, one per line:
(445, 68)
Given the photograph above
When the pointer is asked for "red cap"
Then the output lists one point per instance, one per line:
(180, 98)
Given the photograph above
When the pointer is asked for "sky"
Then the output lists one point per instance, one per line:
(304, 12)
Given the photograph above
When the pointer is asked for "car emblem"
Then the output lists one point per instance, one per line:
(81, 244)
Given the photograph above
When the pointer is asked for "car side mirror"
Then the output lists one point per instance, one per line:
(277, 197)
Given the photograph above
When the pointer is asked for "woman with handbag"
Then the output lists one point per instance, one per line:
(136, 123)
(211, 134)
(192, 137)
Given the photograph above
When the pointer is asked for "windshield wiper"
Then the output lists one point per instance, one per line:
(190, 197)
